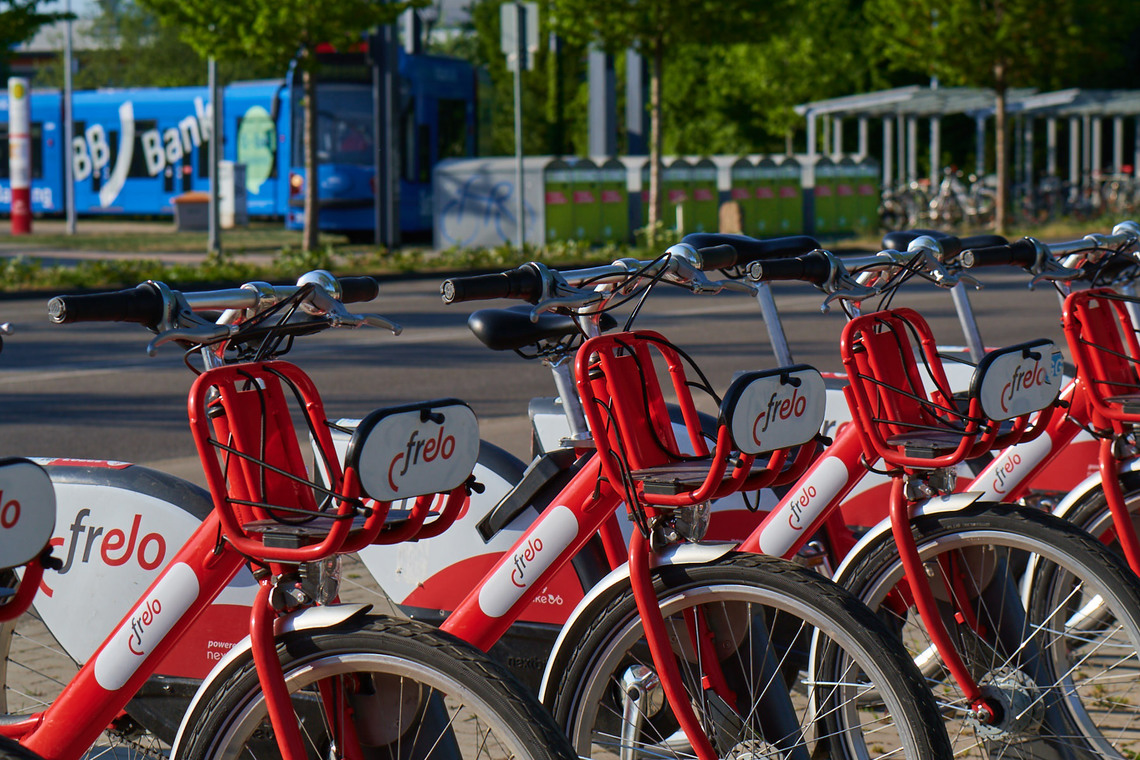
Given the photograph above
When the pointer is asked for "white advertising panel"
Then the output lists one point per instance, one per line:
(27, 511)
(1019, 380)
(415, 450)
(773, 410)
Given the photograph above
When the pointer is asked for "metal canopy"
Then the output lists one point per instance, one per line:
(975, 101)
(908, 101)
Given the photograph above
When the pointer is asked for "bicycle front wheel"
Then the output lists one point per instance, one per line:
(1046, 620)
(743, 630)
(411, 692)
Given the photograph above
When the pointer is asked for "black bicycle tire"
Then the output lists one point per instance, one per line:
(609, 611)
(878, 559)
(418, 643)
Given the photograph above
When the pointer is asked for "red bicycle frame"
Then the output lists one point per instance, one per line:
(887, 399)
(244, 433)
(611, 374)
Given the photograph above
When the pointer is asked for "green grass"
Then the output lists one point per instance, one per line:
(266, 251)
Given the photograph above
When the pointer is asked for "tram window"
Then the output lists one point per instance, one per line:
(452, 128)
(138, 157)
(408, 161)
(203, 152)
(424, 156)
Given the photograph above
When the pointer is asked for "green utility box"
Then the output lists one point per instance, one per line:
(587, 202)
(742, 190)
(613, 191)
(769, 205)
(867, 183)
(789, 190)
(558, 193)
(703, 209)
(826, 205)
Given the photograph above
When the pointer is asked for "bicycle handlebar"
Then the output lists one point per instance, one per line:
(143, 304)
(748, 249)
(1022, 253)
(815, 267)
(951, 245)
(147, 304)
(533, 282)
(523, 283)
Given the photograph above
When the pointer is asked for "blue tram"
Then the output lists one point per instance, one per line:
(135, 150)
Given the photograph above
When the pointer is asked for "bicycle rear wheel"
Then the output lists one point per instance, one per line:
(1054, 649)
(760, 615)
(413, 693)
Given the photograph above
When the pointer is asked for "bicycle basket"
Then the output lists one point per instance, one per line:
(1104, 345)
(618, 378)
(911, 418)
(269, 506)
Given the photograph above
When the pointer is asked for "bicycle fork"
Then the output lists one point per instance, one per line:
(774, 712)
(338, 712)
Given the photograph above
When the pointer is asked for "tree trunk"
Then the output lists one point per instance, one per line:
(1001, 144)
(312, 180)
(655, 142)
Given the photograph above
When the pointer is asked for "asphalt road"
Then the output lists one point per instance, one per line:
(90, 391)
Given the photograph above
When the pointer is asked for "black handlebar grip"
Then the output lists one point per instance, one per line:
(523, 283)
(358, 289)
(717, 257)
(142, 304)
(749, 249)
(982, 241)
(815, 269)
(1023, 253)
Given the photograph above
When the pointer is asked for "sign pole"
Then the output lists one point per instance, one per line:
(519, 43)
(20, 155)
(213, 241)
(68, 129)
(520, 57)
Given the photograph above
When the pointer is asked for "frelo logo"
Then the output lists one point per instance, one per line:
(140, 623)
(797, 506)
(116, 548)
(1035, 377)
(523, 558)
(420, 450)
(784, 408)
(1004, 468)
(9, 513)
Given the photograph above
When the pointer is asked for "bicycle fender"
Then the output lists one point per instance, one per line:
(1087, 487)
(683, 554)
(938, 505)
(308, 619)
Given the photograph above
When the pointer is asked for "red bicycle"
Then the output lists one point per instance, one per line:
(687, 647)
(314, 678)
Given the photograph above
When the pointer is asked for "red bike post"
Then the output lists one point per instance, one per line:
(20, 155)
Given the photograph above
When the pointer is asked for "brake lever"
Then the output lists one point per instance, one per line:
(202, 335)
(1052, 271)
(348, 319)
(969, 279)
(855, 292)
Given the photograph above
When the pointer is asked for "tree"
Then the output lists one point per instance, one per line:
(545, 129)
(278, 33)
(659, 28)
(130, 48)
(999, 44)
(739, 98)
(20, 20)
